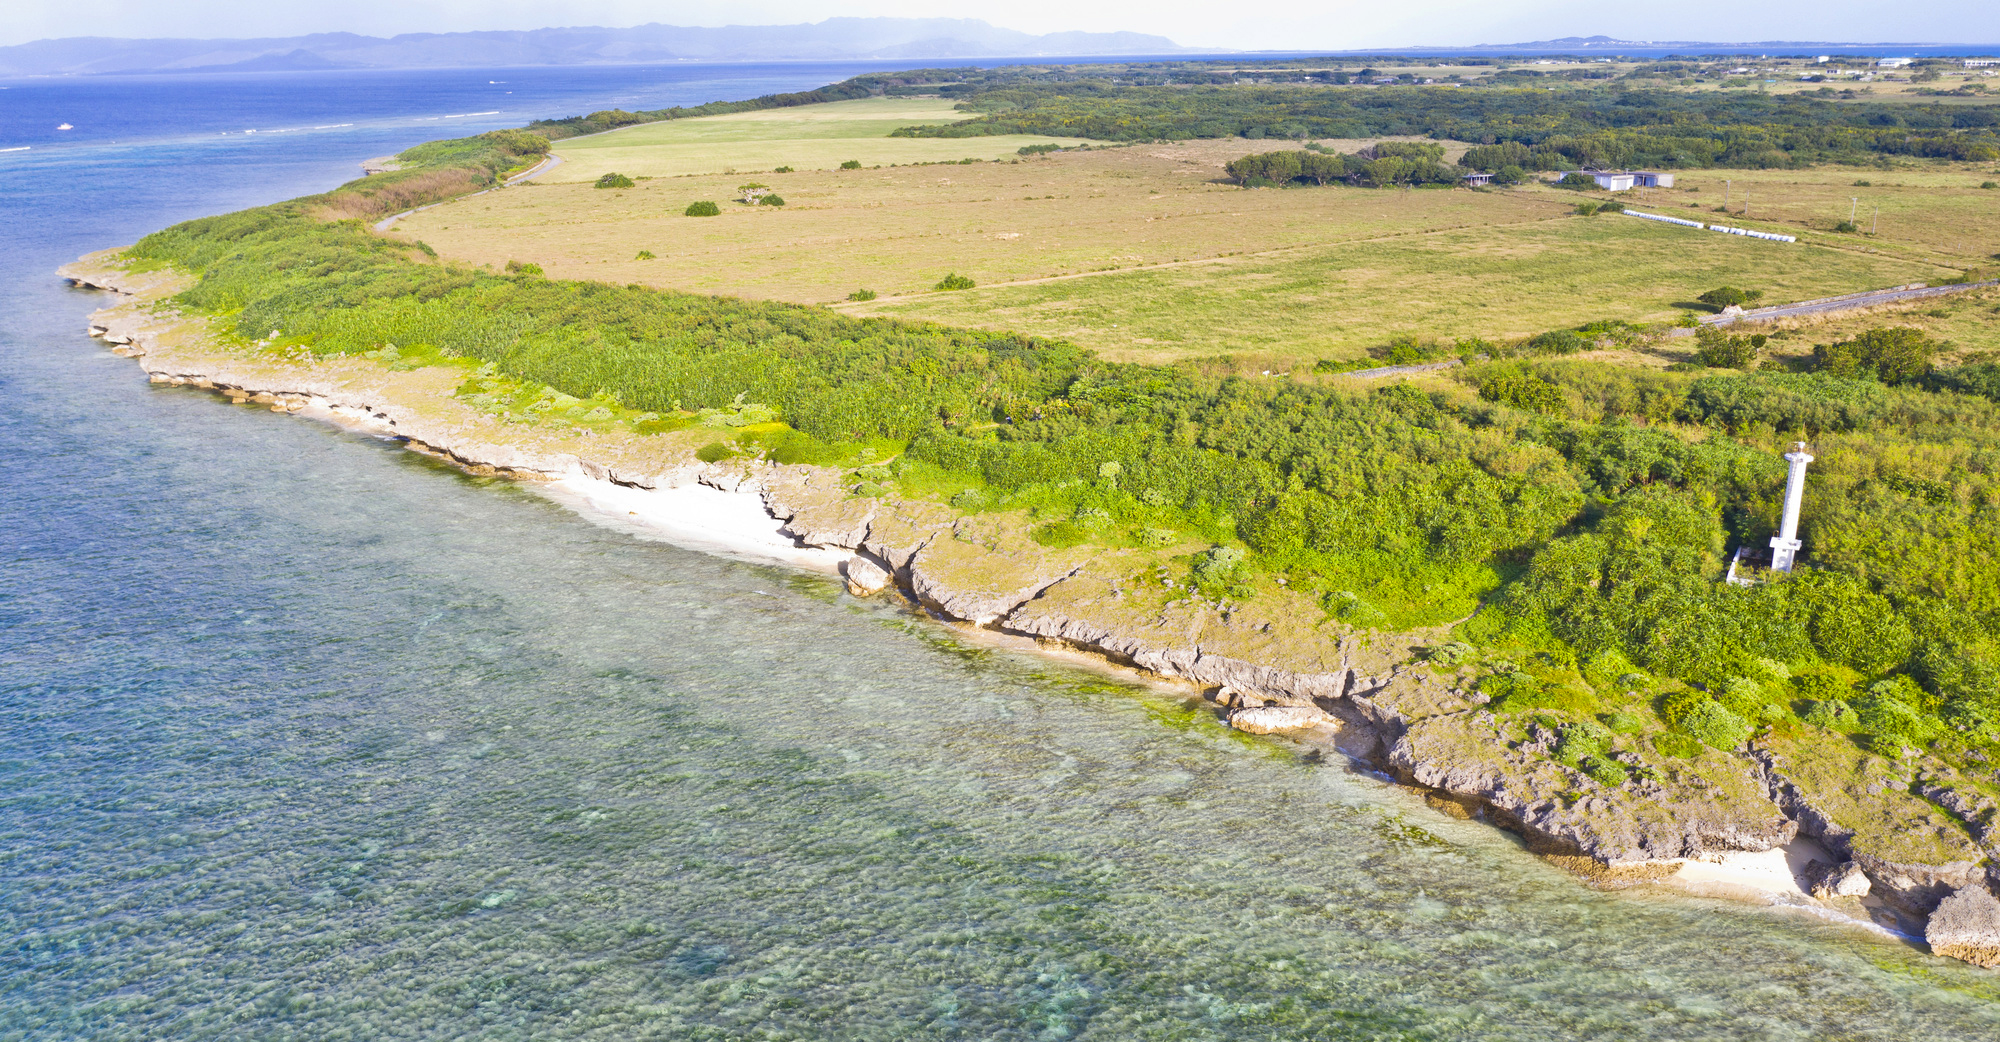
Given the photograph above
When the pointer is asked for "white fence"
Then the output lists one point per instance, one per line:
(1663, 220)
(1723, 228)
(1726, 230)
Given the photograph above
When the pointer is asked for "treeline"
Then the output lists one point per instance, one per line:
(1385, 163)
(1610, 126)
(847, 90)
(1591, 504)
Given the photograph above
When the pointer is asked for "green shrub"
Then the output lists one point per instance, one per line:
(1606, 771)
(714, 452)
(1893, 356)
(1989, 184)
(1743, 696)
(703, 208)
(529, 269)
(1448, 654)
(1714, 725)
(862, 294)
(1220, 571)
(1716, 349)
(1729, 296)
(1579, 739)
(782, 170)
(1624, 723)
(1833, 715)
(1034, 150)
(772, 200)
(614, 181)
(1675, 706)
(1156, 538)
(1885, 714)
(644, 255)
(954, 281)
(1586, 209)
(1577, 181)
(1846, 226)
(1820, 687)
(852, 164)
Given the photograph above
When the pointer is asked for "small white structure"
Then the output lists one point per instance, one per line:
(1610, 181)
(1785, 545)
(1650, 179)
(1894, 63)
(1748, 566)
(1981, 63)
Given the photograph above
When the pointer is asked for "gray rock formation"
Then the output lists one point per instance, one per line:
(1966, 926)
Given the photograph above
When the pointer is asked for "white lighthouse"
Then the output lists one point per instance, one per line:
(1785, 545)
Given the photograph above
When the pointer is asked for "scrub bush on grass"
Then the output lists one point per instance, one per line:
(614, 180)
(703, 208)
(954, 281)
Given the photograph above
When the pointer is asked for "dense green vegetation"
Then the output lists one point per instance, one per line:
(1383, 164)
(1589, 505)
(1527, 129)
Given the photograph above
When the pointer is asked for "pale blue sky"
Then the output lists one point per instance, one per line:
(1290, 25)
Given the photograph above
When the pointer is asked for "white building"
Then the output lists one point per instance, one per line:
(1608, 180)
(1981, 63)
(1893, 63)
(1650, 179)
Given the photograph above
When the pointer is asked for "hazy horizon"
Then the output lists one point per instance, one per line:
(1423, 23)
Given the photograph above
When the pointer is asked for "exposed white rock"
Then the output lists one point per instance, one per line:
(1271, 719)
(864, 576)
(1966, 926)
(1843, 880)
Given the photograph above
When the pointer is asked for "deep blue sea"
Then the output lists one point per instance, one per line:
(306, 737)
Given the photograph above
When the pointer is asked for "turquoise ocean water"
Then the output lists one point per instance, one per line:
(305, 737)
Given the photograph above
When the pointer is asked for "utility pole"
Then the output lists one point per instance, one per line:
(1876, 225)
(1853, 203)
(1725, 195)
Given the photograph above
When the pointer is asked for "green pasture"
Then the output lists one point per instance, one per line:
(809, 137)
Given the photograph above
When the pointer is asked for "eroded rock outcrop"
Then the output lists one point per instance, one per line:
(1966, 926)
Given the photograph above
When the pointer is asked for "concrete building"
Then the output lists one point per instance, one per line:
(1981, 63)
(1609, 180)
(1894, 63)
(1476, 180)
(1649, 179)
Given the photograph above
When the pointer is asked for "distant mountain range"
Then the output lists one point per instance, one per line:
(836, 38)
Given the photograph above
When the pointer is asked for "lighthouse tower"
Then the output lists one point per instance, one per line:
(1785, 545)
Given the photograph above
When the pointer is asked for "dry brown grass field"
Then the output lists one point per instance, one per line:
(1146, 253)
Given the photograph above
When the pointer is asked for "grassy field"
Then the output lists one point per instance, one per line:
(810, 137)
(1143, 252)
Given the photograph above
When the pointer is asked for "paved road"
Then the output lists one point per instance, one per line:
(540, 168)
(1852, 300)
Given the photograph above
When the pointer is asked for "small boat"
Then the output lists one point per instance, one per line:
(65, 126)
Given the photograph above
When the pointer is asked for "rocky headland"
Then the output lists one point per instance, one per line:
(1887, 842)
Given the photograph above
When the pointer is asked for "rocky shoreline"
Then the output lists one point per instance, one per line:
(1899, 851)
